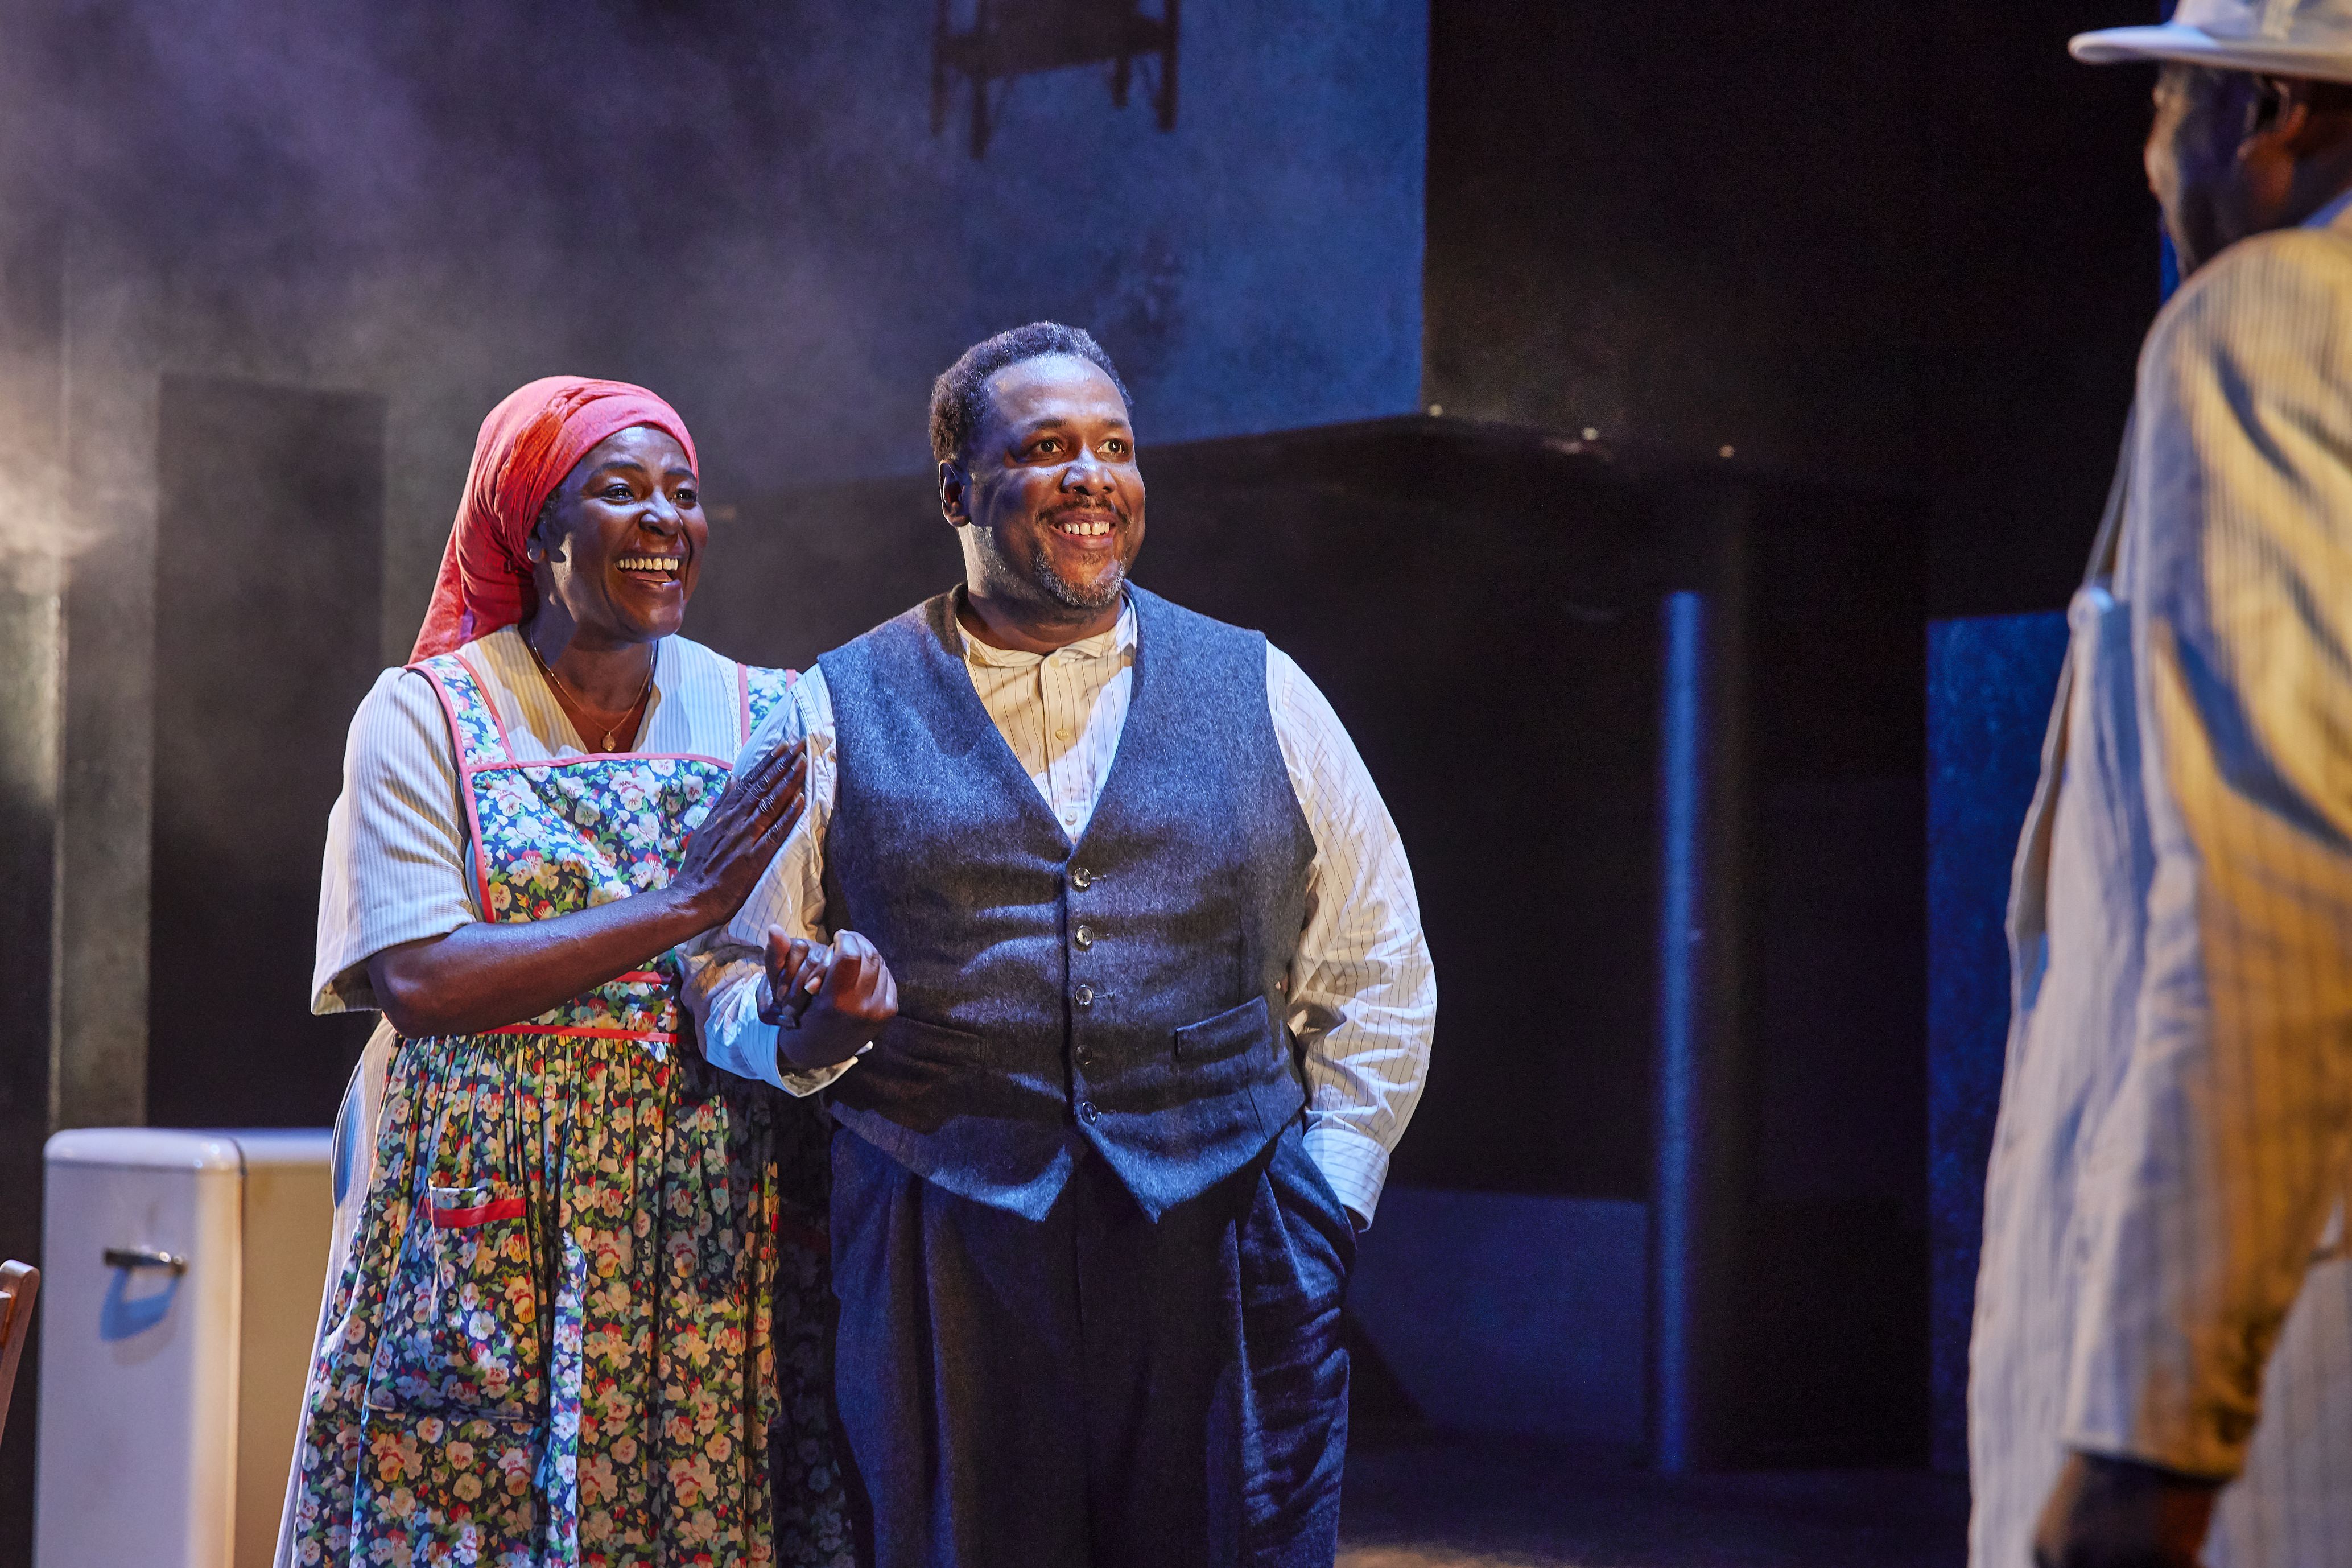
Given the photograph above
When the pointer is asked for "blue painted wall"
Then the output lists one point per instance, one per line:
(1506, 1313)
(1989, 684)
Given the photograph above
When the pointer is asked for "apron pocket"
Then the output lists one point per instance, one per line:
(461, 1325)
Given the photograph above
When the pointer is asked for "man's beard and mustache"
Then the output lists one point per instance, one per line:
(1099, 595)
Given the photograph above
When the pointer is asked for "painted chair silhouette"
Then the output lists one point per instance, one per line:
(19, 1283)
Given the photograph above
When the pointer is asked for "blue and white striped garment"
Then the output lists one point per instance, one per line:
(1364, 994)
(2161, 1278)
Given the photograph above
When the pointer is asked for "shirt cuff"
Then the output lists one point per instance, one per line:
(1356, 1166)
(349, 988)
(2144, 1387)
(724, 996)
(2204, 1440)
(754, 1046)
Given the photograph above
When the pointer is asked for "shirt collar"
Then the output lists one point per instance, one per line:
(2327, 216)
(1117, 642)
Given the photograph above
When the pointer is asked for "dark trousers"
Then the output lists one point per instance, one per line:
(1093, 1390)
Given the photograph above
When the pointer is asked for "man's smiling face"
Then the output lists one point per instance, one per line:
(1053, 499)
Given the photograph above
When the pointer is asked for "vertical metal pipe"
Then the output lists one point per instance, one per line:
(1698, 1145)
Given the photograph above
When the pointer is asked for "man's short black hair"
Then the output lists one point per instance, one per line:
(956, 404)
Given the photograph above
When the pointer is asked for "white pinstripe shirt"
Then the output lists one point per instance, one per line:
(1363, 992)
(2176, 1124)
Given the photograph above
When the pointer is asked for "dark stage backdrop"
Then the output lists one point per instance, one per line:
(1904, 244)
(1990, 681)
(1859, 243)
(267, 586)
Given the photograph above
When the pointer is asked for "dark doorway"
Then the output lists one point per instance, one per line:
(267, 632)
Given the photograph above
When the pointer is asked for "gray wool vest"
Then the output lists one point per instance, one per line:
(1126, 992)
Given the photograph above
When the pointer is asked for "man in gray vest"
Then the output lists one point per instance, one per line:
(1102, 947)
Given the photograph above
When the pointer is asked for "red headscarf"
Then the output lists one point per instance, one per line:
(530, 440)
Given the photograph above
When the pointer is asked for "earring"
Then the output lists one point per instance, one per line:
(533, 554)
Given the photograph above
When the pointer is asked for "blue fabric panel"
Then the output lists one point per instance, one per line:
(1509, 1314)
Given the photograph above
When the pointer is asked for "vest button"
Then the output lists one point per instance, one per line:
(1084, 995)
(1087, 1111)
(1085, 934)
(1081, 878)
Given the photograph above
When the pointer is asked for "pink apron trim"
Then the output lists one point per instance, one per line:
(466, 773)
(505, 742)
(599, 757)
(743, 694)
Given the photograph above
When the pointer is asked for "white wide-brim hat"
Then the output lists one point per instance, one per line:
(2276, 37)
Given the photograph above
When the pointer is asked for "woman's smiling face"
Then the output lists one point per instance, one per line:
(622, 538)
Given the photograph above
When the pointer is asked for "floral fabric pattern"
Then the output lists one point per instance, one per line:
(762, 690)
(583, 1321)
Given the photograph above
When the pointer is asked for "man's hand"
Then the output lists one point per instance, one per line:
(2116, 1513)
(827, 1002)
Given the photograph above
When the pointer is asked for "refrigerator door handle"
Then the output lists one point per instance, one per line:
(145, 1258)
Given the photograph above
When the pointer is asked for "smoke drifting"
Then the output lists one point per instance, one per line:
(439, 202)
(740, 202)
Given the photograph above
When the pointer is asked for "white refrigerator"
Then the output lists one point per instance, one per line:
(181, 1280)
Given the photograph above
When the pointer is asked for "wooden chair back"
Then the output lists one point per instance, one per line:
(19, 1283)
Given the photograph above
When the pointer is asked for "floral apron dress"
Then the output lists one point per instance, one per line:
(582, 1318)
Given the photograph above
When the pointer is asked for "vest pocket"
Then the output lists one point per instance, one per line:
(913, 1038)
(461, 1324)
(1228, 1034)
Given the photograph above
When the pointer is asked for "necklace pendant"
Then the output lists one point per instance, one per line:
(609, 737)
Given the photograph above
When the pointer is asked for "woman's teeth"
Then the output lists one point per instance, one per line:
(648, 564)
(1082, 529)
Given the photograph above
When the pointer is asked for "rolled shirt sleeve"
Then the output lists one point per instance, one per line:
(398, 867)
(2213, 1177)
(1363, 994)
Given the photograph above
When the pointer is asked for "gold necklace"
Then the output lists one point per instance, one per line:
(612, 736)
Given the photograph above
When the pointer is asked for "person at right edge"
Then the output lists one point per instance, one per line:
(2162, 1360)
(1166, 1009)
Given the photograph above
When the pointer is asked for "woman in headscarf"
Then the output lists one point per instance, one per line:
(576, 1315)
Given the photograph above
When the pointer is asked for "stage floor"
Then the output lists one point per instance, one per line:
(1424, 1501)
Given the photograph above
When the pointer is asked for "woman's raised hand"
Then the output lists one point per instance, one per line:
(488, 973)
(726, 854)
